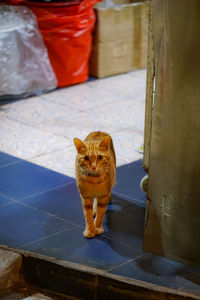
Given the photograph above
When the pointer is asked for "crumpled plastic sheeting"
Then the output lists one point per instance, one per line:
(24, 63)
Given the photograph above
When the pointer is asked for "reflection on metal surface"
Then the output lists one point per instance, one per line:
(174, 165)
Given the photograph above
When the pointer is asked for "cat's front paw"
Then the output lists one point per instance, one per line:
(99, 230)
(88, 234)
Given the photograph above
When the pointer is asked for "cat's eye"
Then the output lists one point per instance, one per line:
(86, 157)
(100, 157)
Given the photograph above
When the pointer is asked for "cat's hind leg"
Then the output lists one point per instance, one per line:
(89, 231)
(102, 204)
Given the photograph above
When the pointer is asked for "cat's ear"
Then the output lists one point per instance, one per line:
(80, 147)
(105, 144)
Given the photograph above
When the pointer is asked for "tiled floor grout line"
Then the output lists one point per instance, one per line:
(44, 98)
(43, 238)
(36, 156)
(35, 208)
(89, 108)
(51, 189)
(9, 203)
(132, 128)
(7, 197)
(92, 109)
(36, 126)
(66, 221)
(19, 160)
(49, 214)
(121, 98)
(115, 240)
(124, 263)
(50, 152)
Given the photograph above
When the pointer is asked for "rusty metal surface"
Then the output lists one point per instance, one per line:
(173, 211)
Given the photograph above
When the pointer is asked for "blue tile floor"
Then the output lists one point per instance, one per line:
(40, 211)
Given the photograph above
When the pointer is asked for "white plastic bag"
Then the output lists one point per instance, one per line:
(24, 63)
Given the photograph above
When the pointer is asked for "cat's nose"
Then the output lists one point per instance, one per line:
(93, 167)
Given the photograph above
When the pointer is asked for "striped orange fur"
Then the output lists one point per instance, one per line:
(95, 177)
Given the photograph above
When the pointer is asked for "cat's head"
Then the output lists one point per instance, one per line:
(93, 157)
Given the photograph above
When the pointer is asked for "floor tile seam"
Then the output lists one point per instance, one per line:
(158, 284)
(120, 265)
(127, 159)
(133, 129)
(52, 151)
(8, 204)
(62, 105)
(138, 75)
(120, 98)
(43, 238)
(71, 113)
(115, 240)
(19, 160)
(73, 180)
(110, 131)
(135, 97)
(45, 99)
(117, 130)
(37, 126)
(136, 103)
(44, 129)
(31, 158)
(108, 119)
(130, 158)
(7, 197)
(70, 106)
(40, 127)
(38, 209)
(125, 263)
(91, 85)
(92, 108)
(140, 203)
(20, 122)
(129, 100)
(126, 162)
(48, 213)
(108, 89)
(125, 128)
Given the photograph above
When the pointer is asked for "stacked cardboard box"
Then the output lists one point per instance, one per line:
(120, 37)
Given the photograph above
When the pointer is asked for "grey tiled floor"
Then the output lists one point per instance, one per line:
(41, 129)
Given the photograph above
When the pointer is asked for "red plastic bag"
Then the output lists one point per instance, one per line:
(66, 28)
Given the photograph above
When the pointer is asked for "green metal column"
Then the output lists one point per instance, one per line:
(172, 226)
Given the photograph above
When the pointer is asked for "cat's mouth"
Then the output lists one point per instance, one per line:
(90, 173)
(93, 174)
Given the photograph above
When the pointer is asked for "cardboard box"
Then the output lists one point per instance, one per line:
(120, 38)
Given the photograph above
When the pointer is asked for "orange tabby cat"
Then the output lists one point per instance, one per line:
(95, 176)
